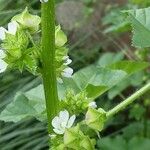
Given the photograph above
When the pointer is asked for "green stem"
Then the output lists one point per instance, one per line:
(128, 101)
(48, 61)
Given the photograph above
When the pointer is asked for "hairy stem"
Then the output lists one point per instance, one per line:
(128, 101)
(48, 60)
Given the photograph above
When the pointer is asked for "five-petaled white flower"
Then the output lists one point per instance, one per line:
(43, 1)
(61, 122)
(3, 64)
(12, 29)
(92, 105)
(67, 72)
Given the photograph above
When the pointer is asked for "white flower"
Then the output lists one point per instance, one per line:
(3, 64)
(43, 1)
(67, 72)
(67, 60)
(12, 29)
(61, 122)
(92, 105)
(2, 54)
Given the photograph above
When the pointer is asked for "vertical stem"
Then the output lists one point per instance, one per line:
(48, 60)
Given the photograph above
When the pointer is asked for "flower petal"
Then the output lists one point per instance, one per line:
(71, 121)
(2, 54)
(64, 116)
(3, 66)
(67, 72)
(68, 61)
(59, 131)
(12, 27)
(92, 105)
(2, 33)
(56, 122)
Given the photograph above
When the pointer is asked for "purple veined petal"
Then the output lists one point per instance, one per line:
(3, 66)
(59, 131)
(64, 116)
(56, 122)
(71, 121)
(2, 33)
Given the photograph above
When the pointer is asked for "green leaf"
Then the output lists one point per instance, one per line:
(29, 104)
(140, 20)
(17, 110)
(117, 143)
(96, 80)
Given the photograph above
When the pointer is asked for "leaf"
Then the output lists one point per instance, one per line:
(118, 143)
(17, 110)
(30, 104)
(109, 58)
(92, 79)
(96, 80)
(140, 20)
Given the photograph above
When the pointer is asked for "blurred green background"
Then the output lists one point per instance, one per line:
(96, 32)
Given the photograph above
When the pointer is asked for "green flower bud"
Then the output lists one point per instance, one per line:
(28, 21)
(15, 44)
(95, 118)
(72, 137)
(87, 143)
(60, 37)
(75, 103)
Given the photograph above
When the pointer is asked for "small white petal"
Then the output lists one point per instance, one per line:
(67, 72)
(64, 116)
(2, 54)
(68, 61)
(12, 27)
(59, 131)
(2, 33)
(3, 66)
(56, 122)
(93, 105)
(43, 1)
(65, 57)
(71, 121)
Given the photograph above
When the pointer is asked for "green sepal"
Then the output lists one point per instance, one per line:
(95, 119)
(14, 44)
(28, 21)
(60, 37)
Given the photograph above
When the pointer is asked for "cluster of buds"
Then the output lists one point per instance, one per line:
(20, 50)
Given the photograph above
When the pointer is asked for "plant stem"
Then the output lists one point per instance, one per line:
(128, 101)
(48, 61)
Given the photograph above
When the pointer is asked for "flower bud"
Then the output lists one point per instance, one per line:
(72, 137)
(95, 118)
(87, 143)
(60, 37)
(28, 21)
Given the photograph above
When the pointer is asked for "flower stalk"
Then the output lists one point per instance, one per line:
(48, 61)
(128, 101)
